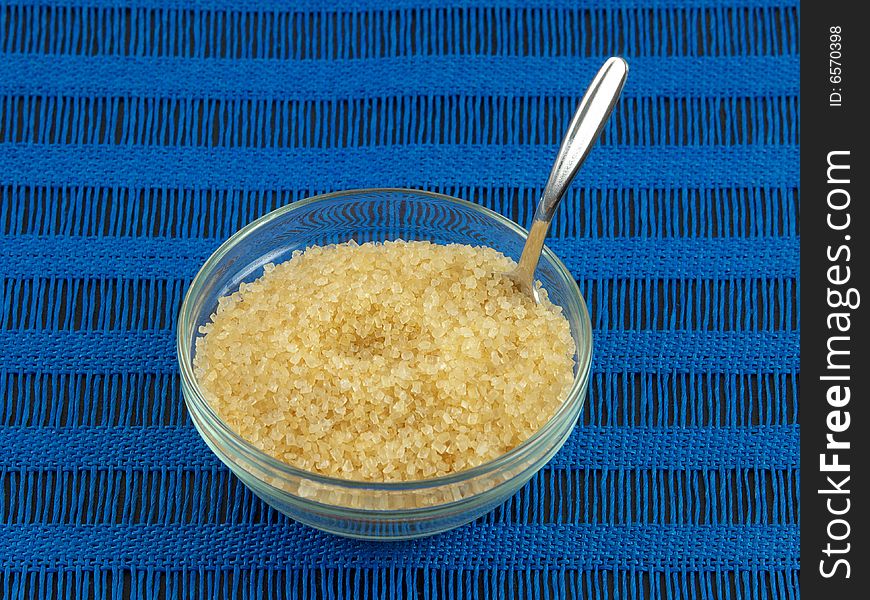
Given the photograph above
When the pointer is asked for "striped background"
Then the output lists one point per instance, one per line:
(136, 135)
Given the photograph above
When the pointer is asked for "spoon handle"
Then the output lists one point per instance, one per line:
(585, 127)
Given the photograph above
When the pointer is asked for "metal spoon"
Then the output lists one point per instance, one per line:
(586, 126)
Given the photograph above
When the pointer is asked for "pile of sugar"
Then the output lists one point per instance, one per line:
(385, 362)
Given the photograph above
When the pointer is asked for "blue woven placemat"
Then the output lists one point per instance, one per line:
(136, 136)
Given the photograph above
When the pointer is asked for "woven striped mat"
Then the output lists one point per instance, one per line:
(136, 135)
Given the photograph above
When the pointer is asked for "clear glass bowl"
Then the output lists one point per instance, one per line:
(357, 508)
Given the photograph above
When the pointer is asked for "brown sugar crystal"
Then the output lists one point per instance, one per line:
(388, 361)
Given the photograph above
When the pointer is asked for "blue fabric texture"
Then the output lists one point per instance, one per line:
(137, 135)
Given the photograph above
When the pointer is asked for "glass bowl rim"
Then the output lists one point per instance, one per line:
(190, 387)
